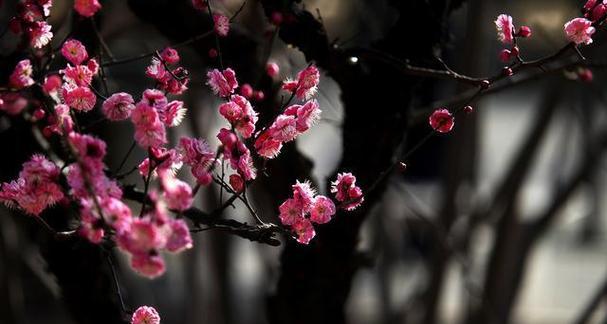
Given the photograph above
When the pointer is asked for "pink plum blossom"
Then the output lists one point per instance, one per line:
(306, 84)
(74, 51)
(40, 34)
(505, 28)
(22, 75)
(346, 191)
(579, 31)
(322, 210)
(223, 83)
(222, 24)
(145, 315)
(118, 106)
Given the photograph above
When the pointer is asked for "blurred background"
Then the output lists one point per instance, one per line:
(501, 221)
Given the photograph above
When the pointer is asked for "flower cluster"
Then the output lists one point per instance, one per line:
(172, 80)
(31, 22)
(152, 114)
(304, 208)
(77, 79)
(347, 192)
(36, 189)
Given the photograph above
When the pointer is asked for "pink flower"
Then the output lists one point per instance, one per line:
(36, 188)
(79, 75)
(239, 112)
(150, 266)
(116, 213)
(177, 194)
(272, 69)
(284, 128)
(170, 55)
(266, 146)
(149, 130)
(87, 8)
(156, 70)
(236, 183)
(74, 52)
(145, 315)
(79, 98)
(93, 66)
(304, 230)
(22, 75)
(346, 191)
(505, 29)
(118, 106)
(322, 210)
(40, 34)
(198, 155)
(222, 24)
(52, 83)
(290, 212)
(579, 31)
(441, 121)
(180, 238)
(141, 237)
(598, 12)
(153, 135)
(303, 194)
(306, 85)
(307, 115)
(223, 82)
(173, 113)
(62, 122)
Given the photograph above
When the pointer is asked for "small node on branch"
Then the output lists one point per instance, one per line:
(402, 166)
(507, 71)
(468, 109)
(485, 84)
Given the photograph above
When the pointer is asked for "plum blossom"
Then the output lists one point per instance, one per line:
(12, 103)
(149, 130)
(441, 120)
(579, 31)
(322, 210)
(22, 75)
(346, 191)
(222, 24)
(170, 55)
(74, 51)
(118, 106)
(87, 8)
(79, 98)
(176, 193)
(304, 230)
(235, 151)
(40, 34)
(149, 265)
(180, 239)
(35, 189)
(290, 212)
(505, 28)
(306, 84)
(223, 83)
(198, 155)
(145, 315)
(239, 112)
